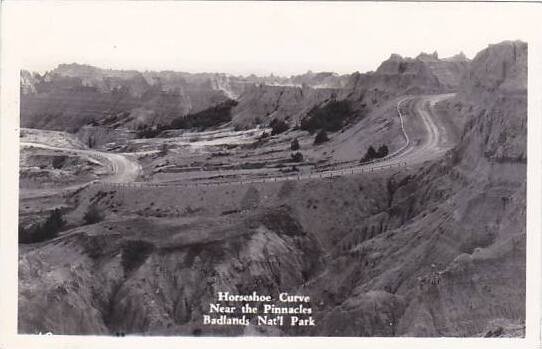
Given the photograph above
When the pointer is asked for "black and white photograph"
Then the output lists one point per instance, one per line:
(292, 169)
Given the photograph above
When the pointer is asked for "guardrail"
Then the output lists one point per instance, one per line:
(299, 177)
(316, 175)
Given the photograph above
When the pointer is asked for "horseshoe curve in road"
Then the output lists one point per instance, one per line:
(126, 170)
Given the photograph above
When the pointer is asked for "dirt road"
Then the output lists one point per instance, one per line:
(426, 138)
(123, 168)
(420, 147)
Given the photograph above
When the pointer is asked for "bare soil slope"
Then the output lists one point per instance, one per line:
(437, 249)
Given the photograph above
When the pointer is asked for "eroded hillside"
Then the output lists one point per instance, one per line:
(434, 248)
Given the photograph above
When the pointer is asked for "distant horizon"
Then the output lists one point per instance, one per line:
(245, 38)
(247, 74)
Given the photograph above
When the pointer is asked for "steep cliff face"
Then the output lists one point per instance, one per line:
(291, 99)
(74, 95)
(492, 207)
(398, 76)
(455, 264)
(495, 88)
(131, 282)
(263, 103)
(499, 69)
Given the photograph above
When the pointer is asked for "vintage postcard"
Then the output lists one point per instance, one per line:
(274, 172)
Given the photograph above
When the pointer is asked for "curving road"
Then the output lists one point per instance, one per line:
(123, 168)
(422, 144)
(426, 138)
(425, 143)
(433, 140)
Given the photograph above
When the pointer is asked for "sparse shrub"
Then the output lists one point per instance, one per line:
(321, 137)
(297, 157)
(372, 154)
(93, 215)
(382, 151)
(294, 145)
(278, 126)
(59, 161)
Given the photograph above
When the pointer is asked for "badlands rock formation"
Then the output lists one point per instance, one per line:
(436, 249)
(74, 95)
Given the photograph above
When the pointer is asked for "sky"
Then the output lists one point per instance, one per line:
(242, 38)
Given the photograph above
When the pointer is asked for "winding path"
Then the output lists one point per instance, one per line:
(123, 168)
(423, 144)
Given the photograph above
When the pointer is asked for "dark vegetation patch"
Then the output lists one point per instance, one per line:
(100, 194)
(220, 153)
(321, 137)
(135, 253)
(207, 252)
(373, 154)
(59, 161)
(213, 116)
(43, 231)
(281, 222)
(93, 215)
(252, 165)
(297, 157)
(96, 246)
(278, 126)
(228, 212)
(294, 145)
(290, 169)
(330, 117)
(210, 117)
